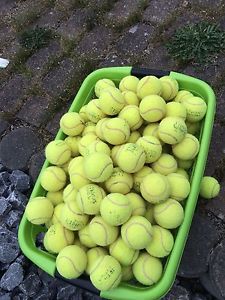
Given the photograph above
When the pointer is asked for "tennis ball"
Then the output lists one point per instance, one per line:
(131, 114)
(89, 198)
(71, 216)
(137, 204)
(103, 84)
(75, 162)
(169, 214)
(39, 210)
(182, 95)
(71, 124)
(57, 237)
(93, 255)
(139, 176)
(94, 112)
(187, 149)
(90, 128)
(77, 174)
(114, 153)
(119, 182)
(179, 185)
(147, 269)
(97, 146)
(69, 193)
(151, 146)
(125, 255)
(78, 243)
(151, 129)
(65, 166)
(161, 243)
(53, 179)
(169, 87)
(155, 188)
(111, 101)
(127, 273)
(71, 262)
(134, 136)
(182, 172)
(172, 130)
(131, 158)
(165, 165)
(149, 85)
(85, 237)
(129, 83)
(137, 232)
(209, 187)
(176, 109)
(152, 108)
(106, 273)
(149, 215)
(116, 131)
(57, 212)
(72, 143)
(100, 127)
(184, 164)
(101, 232)
(193, 128)
(85, 141)
(55, 197)
(83, 114)
(130, 98)
(57, 152)
(196, 109)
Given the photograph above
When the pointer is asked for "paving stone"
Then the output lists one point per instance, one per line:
(220, 106)
(50, 19)
(97, 5)
(66, 5)
(209, 4)
(17, 199)
(5, 207)
(36, 163)
(113, 59)
(178, 293)
(31, 285)
(198, 297)
(20, 180)
(12, 277)
(210, 286)
(17, 147)
(3, 125)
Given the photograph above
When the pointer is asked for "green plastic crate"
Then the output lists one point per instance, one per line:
(125, 291)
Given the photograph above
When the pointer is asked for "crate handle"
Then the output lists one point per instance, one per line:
(141, 72)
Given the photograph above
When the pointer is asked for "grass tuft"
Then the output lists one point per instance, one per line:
(34, 39)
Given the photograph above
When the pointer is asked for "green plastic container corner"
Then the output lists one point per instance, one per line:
(126, 291)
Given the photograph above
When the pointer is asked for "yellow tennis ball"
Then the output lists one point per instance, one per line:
(209, 187)
(69, 193)
(165, 165)
(151, 129)
(119, 182)
(149, 85)
(75, 162)
(98, 167)
(131, 158)
(130, 98)
(39, 210)
(151, 146)
(103, 84)
(149, 215)
(137, 232)
(137, 204)
(89, 198)
(102, 233)
(83, 114)
(182, 172)
(152, 108)
(71, 216)
(196, 109)
(176, 109)
(55, 197)
(78, 177)
(97, 146)
(111, 101)
(172, 130)
(139, 176)
(71, 262)
(85, 141)
(187, 149)
(78, 243)
(129, 83)
(100, 128)
(66, 166)
(116, 131)
(114, 153)
(182, 95)
(90, 128)
(57, 152)
(72, 124)
(127, 273)
(134, 136)
(179, 185)
(169, 87)
(85, 237)
(185, 164)
(193, 128)
(94, 112)
(125, 255)
(106, 273)
(131, 114)
(57, 212)
(94, 254)
(155, 188)
(161, 243)
(72, 143)
(57, 237)
(147, 269)
(53, 179)
(169, 214)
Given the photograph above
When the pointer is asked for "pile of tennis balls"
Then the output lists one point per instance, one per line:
(117, 183)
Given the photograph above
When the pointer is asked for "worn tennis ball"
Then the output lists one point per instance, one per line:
(116, 131)
(39, 210)
(89, 198)
(155, 188)
(98, 167)
(72, 124)
(55, 197)
(147, 269)
(111, 101)
(57, 152)
(161, 243)
(129, 83)
(114, 153)
(151, 146)
(85, 238)
(193, 128)
(137, 204)
(134, 136)
(53, 179)
(187, 149)
(183, 95)
(130, 98)
(131, 158)
(97, 146)
(151, 129)
(165, 165)
(100, 128)
(131, 114)
(137, 232)
(149, 85)
(103, 84)
(85, 141)
(170, 87)
(119, 182)
(69, 193)
(75, 162)
(83, 114)
(90, 128)
(106, 273)
(94, 111)
(127, 273)
(102, 233)
(71, 262)
(183, 173)
(125, 255)
(179, 185)
(196, 109)
(72, 143)
(176, 109)
(152, 108)
(139, 176)
(57, 237)
(77, 174)
(209, 187)
(172, 130)
(184, 164)
(169, 214)
(149, 215)
(94, 254)
(57, 212)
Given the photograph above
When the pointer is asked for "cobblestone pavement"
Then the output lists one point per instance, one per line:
(38, 86)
